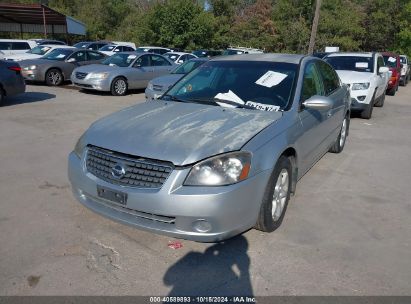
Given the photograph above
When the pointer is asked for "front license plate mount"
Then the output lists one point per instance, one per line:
(112, 195)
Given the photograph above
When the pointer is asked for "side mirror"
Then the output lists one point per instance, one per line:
(318, 103)
(116, 50)
(383, 70)
(71, 60)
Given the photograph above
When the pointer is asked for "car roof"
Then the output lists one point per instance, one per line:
(153, 47)
(57, 46)
(288, 58)
(351, 54)
(178, 53)
(389, 54)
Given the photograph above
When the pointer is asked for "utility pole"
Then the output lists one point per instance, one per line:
(314, 27)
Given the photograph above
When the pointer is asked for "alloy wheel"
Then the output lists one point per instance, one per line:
(280, 194)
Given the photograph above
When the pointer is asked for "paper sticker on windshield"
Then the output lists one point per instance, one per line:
(262, 107)
(61, 56)
(361, 65)
(229, 96)
(271, 79)
(392, 59)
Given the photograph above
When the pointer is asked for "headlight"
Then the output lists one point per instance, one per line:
(97, 76)
(360, 86)
(150, 86)
(80, 145)
(220, 170)
(32, 67)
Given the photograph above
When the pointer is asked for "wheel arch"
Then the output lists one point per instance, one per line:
(291, 154)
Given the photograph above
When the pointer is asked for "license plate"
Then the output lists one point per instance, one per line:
(111, 195)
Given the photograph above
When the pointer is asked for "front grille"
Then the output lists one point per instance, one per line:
(80, 75)
(157, 87)
(139, 172)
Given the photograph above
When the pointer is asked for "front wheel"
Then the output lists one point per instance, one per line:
(119, 86)
(339, 144)
(54, 77)
(276, 197)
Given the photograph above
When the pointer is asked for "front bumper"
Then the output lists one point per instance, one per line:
(92, 84)
(152, 95)
(360, 99)
(32, 75)
(174, 210)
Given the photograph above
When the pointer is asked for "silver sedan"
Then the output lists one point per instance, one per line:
(121, 72)
(219, 153)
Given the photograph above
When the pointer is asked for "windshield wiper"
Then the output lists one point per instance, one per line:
(232, 103)
(172, 98)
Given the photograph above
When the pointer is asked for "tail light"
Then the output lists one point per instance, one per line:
(16, 69)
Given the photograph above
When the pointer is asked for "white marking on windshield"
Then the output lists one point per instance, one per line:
(271, 79)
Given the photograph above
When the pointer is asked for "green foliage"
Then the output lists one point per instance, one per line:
(273, 25)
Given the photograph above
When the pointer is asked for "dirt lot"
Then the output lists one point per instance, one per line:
(347, 231)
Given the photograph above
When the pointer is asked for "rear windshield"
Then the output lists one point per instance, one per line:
(266, 86)
(39, 50)
(351, 63)
(121, 60)
(187, 67)
(107, 48)
(390, 61)
(81, 45)
(58, 54)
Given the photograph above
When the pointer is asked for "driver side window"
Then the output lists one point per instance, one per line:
(311, 82)
(79, 56)
(142, 61)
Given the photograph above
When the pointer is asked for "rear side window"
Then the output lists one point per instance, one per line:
(20, 46)
(311, 82)
(330, 78)
(158, 61)
(5, 45)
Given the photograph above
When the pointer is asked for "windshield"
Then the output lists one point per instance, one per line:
(81, 45)
(171, 56)
(403, 60)
(121, 60)
(187, 67)
(39, 50)
(258, 85)
(232, 52)
(58, 54)
(107, 48)
(390, 61)
(352, 63)
(142, 50)
(200, 53)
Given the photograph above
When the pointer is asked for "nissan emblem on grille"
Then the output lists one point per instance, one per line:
(118, 171)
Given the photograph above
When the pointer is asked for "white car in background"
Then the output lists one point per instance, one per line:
(405, 70)
(366, 75)
(16, 46)
(111, 49)
(36, 52)
(179, 57)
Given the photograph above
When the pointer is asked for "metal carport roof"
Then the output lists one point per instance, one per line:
(37, 18)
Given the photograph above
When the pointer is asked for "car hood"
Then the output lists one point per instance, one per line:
(167, 80)
(24, 56)
(98, 68)
(349, 77)
(182, 133)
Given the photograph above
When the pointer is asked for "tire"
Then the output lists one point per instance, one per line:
(367, 113)
(279, 184)
(391, 91)
(381, 100)
(339, 144)
(54, 77)
(119, 86)
(1, 96)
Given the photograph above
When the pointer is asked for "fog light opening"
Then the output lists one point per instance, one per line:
(361, 98)
(202, 226)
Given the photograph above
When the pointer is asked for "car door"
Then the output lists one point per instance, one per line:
(312, 141)
(141, 72)
(161, 66)
(74, 60)
(381, 78)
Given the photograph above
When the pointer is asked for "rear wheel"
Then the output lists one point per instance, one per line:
(339, 144)
(119, 86)
(54, 77)
(381, 100)
(276, 197)
(391, 91)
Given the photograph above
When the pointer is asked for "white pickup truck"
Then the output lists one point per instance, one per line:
(366, 75)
